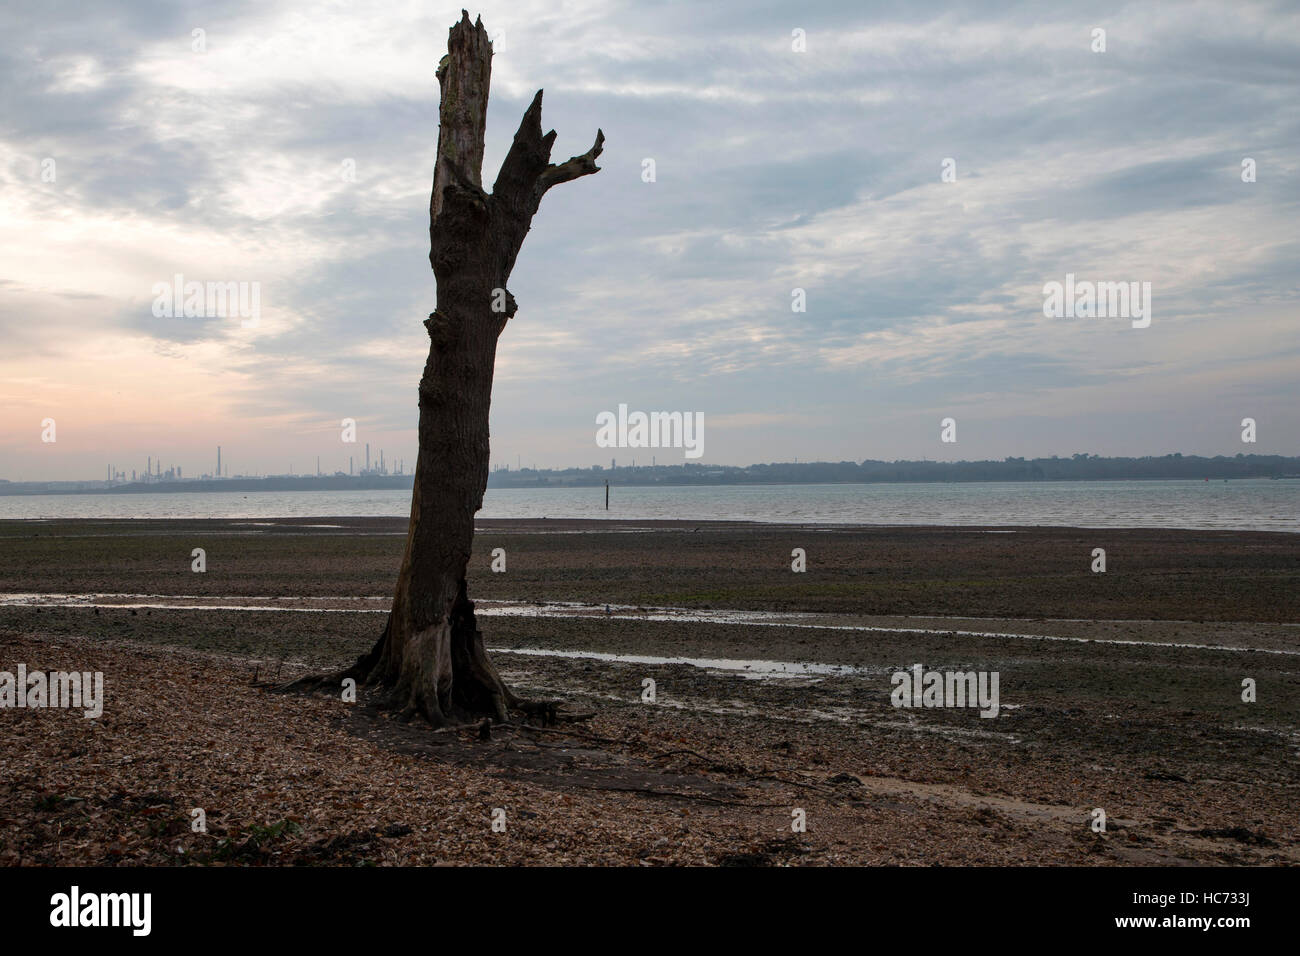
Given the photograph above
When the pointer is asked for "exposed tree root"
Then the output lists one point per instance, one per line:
(463, 693)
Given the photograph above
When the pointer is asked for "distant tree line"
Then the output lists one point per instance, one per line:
(1080, 467)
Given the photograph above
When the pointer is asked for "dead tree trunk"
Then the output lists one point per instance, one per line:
(430, 660)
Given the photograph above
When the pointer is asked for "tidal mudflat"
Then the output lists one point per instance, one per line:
(772, 693)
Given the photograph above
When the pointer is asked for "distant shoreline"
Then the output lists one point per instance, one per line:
(201, 486)
(622, 479)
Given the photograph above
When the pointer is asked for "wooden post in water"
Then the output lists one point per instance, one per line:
(606, 494)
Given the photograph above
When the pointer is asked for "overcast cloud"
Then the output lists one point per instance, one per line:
(775, 170)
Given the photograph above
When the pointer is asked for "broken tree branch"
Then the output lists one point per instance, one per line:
(572, 168)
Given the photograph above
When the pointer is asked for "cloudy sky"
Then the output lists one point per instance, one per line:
(295, 150)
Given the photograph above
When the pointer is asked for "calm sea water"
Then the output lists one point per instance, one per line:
(1259, 505)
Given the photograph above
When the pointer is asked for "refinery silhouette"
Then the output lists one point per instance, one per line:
(155, 475)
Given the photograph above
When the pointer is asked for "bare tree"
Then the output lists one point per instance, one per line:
(430, 660)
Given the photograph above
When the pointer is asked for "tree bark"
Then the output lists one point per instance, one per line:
(430, 660)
